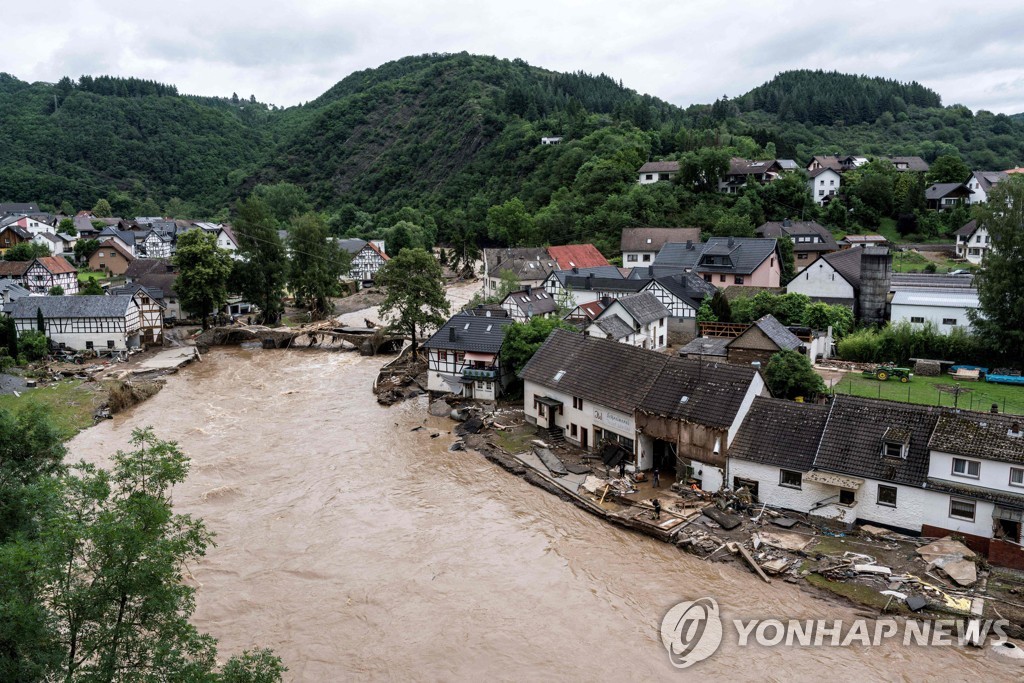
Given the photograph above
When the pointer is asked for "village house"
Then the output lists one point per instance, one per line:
(980, 184)
(42, 274)
(111, 258)
(638, 320)
(464, 356)
(973, 242)
(11, 235)
(862, 241)
(531, 265)
(367, 258)
(51, 242)
(743, 171)
(640, 246)
(654, 171)
(824, 184)
(9, 291)
(152, 311)
(124, 238)
(673, 414)
(945, 309)
(153, 244)
(584, 314)
(17, 208)
(583, 285)
(32, 224)
(810, 240)
(945, 196)
(859, 278)
(682, 295)
(839, 163)
(529, 303)
(763, 339)
(724, 261)
(102, 323)
(568, 256)
(552, 140)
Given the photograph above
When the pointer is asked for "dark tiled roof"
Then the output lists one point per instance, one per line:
(165, 282)
(614, 326)
(479, 333)
(527, 263)
(75, 306)
(796, 229)
(156, 294)
(707, 346)
(940, 190)
(829, 161)
(847, 264)
(606, 372)
(644, 307)
(18, 208)
(913, 163)
(775, 331)
(980, 435)
(780, 433)
(702, 392)
(660, 167)
(746, 253)
(967, 229)
(536, 302)
(15, 269)
(986, 179)
(653, 239)
(992, 495)
(689, 287)
(17, 230)
(748, 167)
(818, 171)
(853, 440)
(577, 256)
(352, 245)
(144, 266)
(126, 236)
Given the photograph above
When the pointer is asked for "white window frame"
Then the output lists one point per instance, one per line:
(782, 479)
(1020, 471)
(962, 501)
(896, 493)
(966, 471)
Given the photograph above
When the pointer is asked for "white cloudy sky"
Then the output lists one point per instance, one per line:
(684, 51)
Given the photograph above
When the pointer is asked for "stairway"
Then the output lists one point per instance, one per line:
(555, 436)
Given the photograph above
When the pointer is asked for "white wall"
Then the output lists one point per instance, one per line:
(592, 415)
(756, 388)
(825, 184)
(933, 314)
(821, 279)
(632, 259)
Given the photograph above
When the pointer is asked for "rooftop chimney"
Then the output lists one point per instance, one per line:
(787, 223)
(732, 241)
(451, 334)
(606, 301)
(650, 271)
(689, 244)
(575, 270)
(590, 280)
(529, 290)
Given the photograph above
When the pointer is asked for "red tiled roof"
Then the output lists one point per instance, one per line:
(13, 268)
(56, 265)
(577, 256)
(380, 253)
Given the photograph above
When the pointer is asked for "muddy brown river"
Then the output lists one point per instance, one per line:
(356, 548)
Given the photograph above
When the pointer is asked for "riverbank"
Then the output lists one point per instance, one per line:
(870, 568)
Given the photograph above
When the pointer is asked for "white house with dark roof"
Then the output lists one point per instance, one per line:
(367, 258)
(642, 321)
(654, 171)
(464, 356)
(980, 184)
(529, 303)
(945, 196)
(945, 309)
(973, 242)
(112, 323)
(640, 246)
(681, 294)
(824, 184)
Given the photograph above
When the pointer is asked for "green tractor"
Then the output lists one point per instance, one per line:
(883, 372)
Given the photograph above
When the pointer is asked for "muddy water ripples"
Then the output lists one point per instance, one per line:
(357, 548)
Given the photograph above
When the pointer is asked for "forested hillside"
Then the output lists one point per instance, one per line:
(448, 147)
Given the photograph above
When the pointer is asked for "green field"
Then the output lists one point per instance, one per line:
(84, 275)
(981, 395)
(69, 404)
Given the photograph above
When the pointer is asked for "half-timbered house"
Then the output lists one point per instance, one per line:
(102, 323)
(463, 356)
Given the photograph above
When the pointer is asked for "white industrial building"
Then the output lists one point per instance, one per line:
(947, 309)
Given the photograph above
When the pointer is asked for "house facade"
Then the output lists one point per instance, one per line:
(111, 258)
(973, 242)
(824, 184)
(945, 196)
(945, 309)
(643, 318)
(724, 261)
(655, 171)
(980, 184)
(529, 303)
(11, 235)
(682, 295)
(640, 246)
(762, 340)
(464, 356)
(101, 323)
(743, 171)
(47, 272)
(810, 240)
(367, 258)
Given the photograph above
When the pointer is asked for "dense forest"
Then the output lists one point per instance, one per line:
(448, 147)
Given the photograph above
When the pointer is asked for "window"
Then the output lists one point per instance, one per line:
(110, 343)
(649, 176)
(916, 319)
(801, 257)
(821, 193)
(892, 449)
(790, 479)
(821, 182)
(831, 182)
(961, 509)
(489, 386)
(1016, 476)
(846, 497)
(721, 278)
(707, 277)
(887, 495)
(738, 279)
(966, 468)
(949, 321)
(631, 258)
(577, 403)
(572, 430)
(442, 355)
(88, 345)
(647, 258)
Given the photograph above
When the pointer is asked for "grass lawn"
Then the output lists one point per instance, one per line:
(981, 396)
(69, 404)
(84, 275)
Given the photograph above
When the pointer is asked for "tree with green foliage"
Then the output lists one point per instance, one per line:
(720, 307)
(262, 272)
(66, 208)
(33, 344)
(787, 268)
(511, 224)
(415, 297)
(705, 313)
(149, 207)
(1000, 319)
(284, 200)
(203, 271)
(703, 168)
(820, 316)
(407, 235)
(40, 320)
(67, 227)
(102, 209)
(84, 249)
(318, 264)
(948, 168)
(91, 287)
(9, 335)
(26, 251)
(522, 339)
(56, 290)
(789, 374)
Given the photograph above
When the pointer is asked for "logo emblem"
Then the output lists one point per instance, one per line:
(691, 632)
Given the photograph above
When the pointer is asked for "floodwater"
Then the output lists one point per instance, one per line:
(357, 548)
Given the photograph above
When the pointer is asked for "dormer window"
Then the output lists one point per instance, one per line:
(896, 442)
(892, 449)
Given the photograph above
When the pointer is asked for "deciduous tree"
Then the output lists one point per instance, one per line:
(789, 374)
(415, 297)
(317, 264)
(523, 339)
(262, 273)
(203, 269)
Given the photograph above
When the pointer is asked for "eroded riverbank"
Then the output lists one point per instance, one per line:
(356, 547)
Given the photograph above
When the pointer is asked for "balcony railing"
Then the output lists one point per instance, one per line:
(480, 373)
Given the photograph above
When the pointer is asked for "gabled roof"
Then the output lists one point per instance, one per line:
(967, 229)
(157, 295)
(158, 281)
(74, 306)
(143, 266)
(687, 287)
(590, 309)
(615, 327)
(746, 253)
(660, 167)
(49, 237)
(847, 264)
(825, 169)
(940, 190)
(126, 236)
(577, 256)
(913, 163)
(14, 269)
(475, 333)
(17, 230)
(830, 161)
(352, 245)
(986, 179)
(780, 433)
(534, 302)
(377, 250)
(653, 239)
(644, 308)
(794, 229)
(853, 439)
(55, 265)
(744, 167)
(774, 330)
(18, 208)
(626, 378)
(111, 245)
(526, 263)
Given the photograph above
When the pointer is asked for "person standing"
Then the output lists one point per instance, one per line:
(622, 469)
(657, 479)
(657, 508)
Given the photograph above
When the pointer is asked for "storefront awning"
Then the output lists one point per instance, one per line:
(831, 479)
